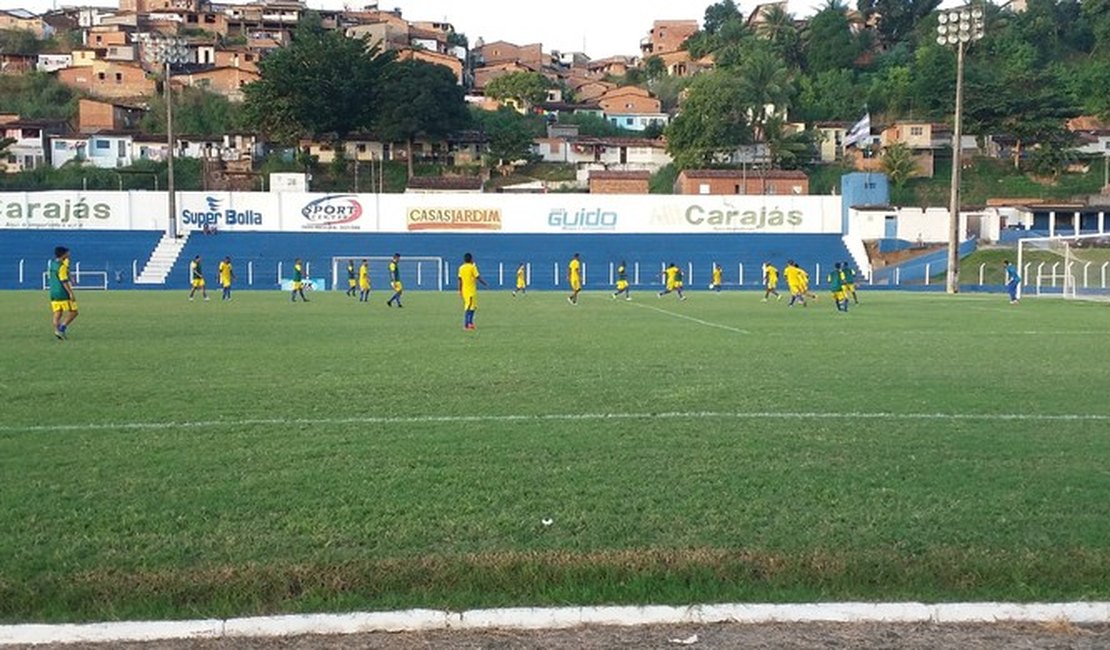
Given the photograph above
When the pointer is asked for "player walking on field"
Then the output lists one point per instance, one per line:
(469, 279)
(718, 278)
(521, 280)
(352, 279)
(227, 276)
(63, 304)
(395, 281)
(196, 276)
(622, 282)
(848, 275)
(836, 286)
(298, 280)
(1013, 281)
(771, 282)
(574, 277)
(674, 280)
(364, 281)
(794, 283)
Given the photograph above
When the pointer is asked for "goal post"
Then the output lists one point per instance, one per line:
(417, 273)
(81, 280)
(1076, 267)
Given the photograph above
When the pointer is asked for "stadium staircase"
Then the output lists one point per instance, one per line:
(859, 254)
(162, 259)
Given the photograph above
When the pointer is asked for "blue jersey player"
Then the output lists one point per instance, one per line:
(1013, 281)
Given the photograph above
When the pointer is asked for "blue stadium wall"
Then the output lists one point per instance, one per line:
(119, 253)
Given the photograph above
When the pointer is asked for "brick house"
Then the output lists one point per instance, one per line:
(446, 60)
(23, 20)
(667, 36)
(109, 79)
(95, 115)
(632, 108)
(616, 182)
(740, 182)
(15, 64)
(228, 82)
(236, 58)
(499, 52)
(106, 36)
(484, 75)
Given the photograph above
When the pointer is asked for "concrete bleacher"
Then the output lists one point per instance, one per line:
(263, 252)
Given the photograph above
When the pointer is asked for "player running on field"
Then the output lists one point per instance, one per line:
(794, 283)
(804, 276)
(623, 288)
(771, 282)
(395, 281)
(718, 278)
(836, 286)
(848, 275)
(364, 281)
(196, 277)
(469, 279)
(298, 280)
(352, 279)
(574, 278)
(674, 279)
(227, 276)
(63, 304)
(521, 280)
(1013, 281)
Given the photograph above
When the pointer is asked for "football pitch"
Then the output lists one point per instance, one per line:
(177, 459)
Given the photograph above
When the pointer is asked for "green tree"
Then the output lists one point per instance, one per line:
(829, 95)
(419, 99)
(511, 135)
(1052, 156)
(195, 112)
(323, 84)
(897, 19)
(528, 88)
(654, 68)
(779, 30)
(37, 95)
(594, 126)
(829, 42)
(787, 148)
(717, 15)
(713, 120)
(764, 83)
(898, 163)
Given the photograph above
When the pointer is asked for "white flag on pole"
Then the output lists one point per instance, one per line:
(861, 132)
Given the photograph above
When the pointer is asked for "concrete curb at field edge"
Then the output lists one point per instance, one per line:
(424, 620)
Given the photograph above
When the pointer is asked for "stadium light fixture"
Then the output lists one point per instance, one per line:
(166, 52)
(958, 28)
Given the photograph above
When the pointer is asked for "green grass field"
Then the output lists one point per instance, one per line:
(178, 459)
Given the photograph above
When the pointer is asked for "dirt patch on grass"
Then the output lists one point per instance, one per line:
(750, 637)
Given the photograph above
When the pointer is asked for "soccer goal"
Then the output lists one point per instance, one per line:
(417, 273)
(81, 280)
(1075, 267)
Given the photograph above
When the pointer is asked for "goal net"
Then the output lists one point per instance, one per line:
(81, 280)
(1075, 267)
(417, 273)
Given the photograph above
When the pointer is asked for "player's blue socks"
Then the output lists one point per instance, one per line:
(62, 329)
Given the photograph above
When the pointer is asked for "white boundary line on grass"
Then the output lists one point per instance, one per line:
(699, 321)
(423, 620)
(562, 417)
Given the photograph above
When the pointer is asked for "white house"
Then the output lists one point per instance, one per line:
(53, 62)
(614, 154)
(637, 121)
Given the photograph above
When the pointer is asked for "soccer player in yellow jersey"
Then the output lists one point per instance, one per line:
(469, 279)
(196, 277)
(804, 277)
(63, 304)
(574, 277)
(395, 281)
(521, 280)
(298, 280)
(718, 278)
(364, 282)
(794, 283)
(770, 282)
(674, 281)
(622, 282)
(227, 276)
(352, 279)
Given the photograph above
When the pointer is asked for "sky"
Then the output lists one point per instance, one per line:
(600, 28)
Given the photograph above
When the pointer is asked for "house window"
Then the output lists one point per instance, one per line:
(703, 188)
(917, 130)
(59, 146)
(119, 77)
(736, 189)
(362, 148)
(628, 121)
(100, 76)
(103, 144)
(868, 186)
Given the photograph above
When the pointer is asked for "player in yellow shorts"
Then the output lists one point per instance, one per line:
(364, 281)
(718, 278)
(196, 276)
(794, 282)
(574, 277)
(622, 282)
(770, 282)
(848, 276)
(521, 280)
(395, 281)
(469, 279)
(298, 280)
(227, 276)
(352, 279)
(674, 281)
(63, 304)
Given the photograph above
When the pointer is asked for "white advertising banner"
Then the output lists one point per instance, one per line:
(65, 210)
(426, 213)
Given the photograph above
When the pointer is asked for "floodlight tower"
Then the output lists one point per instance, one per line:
(166, 52)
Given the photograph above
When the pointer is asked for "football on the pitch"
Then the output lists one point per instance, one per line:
(710, 285)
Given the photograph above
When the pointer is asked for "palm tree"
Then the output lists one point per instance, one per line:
(787, 149)
(779, 30)
(764, 82)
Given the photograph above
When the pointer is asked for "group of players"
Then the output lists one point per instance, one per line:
(841, 281)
